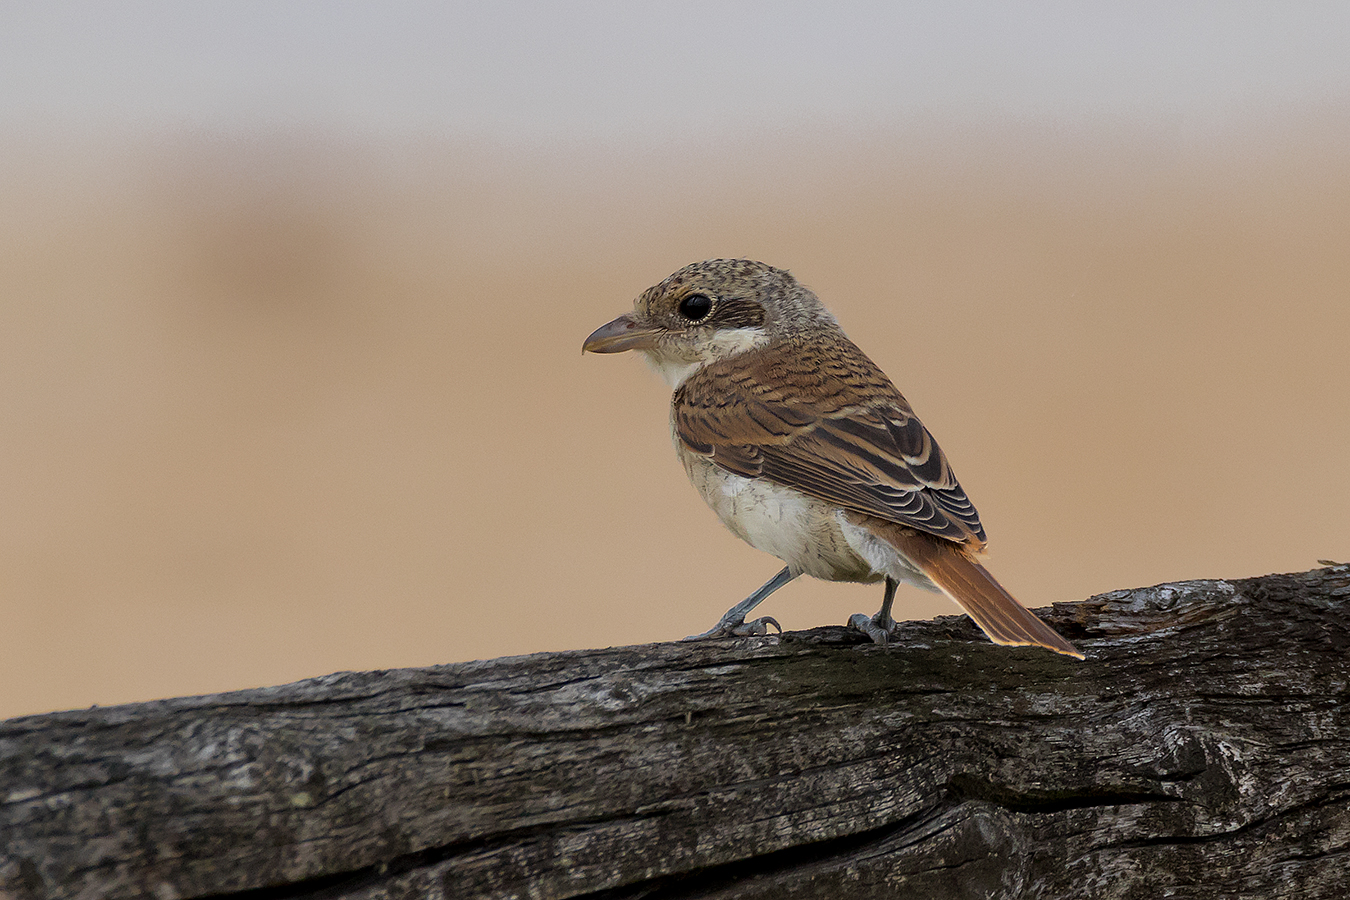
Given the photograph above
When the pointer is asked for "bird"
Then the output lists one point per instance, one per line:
(806, 450)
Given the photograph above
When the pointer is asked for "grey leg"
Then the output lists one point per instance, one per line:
(733, 622)
(878, 627)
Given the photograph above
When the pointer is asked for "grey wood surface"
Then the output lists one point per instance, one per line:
(1201, 750)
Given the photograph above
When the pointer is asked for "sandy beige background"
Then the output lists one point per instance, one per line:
(275, 405)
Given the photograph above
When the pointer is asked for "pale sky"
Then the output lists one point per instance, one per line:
(544, 70)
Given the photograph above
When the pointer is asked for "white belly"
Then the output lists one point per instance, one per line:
(807, 534)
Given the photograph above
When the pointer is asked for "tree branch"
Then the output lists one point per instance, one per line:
(1200, 751)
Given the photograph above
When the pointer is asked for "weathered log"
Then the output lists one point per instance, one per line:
(1201, 750)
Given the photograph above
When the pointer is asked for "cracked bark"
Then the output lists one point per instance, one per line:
(1200, 751)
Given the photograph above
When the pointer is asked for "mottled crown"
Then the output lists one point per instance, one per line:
(746, 293)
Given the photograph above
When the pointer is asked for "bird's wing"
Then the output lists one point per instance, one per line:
(825, 420)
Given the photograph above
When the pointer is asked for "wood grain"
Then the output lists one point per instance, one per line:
(1200, 751)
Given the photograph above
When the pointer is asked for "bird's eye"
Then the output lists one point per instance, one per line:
(696, 307)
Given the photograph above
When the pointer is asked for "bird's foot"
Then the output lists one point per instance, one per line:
(736, 626)
(878, 627)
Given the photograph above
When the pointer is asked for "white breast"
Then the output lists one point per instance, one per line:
(806, 533)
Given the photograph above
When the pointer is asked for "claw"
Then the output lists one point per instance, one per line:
(733, 621)
(875, 627)
(758, 626)
(731, 627)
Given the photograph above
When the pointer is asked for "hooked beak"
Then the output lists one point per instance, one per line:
(624, 333)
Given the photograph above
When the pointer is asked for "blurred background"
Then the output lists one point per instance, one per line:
(292, 298)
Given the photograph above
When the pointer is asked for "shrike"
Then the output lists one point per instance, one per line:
(805, 450)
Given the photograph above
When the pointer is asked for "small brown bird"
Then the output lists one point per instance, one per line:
(805, 450)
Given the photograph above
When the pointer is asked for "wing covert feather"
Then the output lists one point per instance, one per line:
(769, 413)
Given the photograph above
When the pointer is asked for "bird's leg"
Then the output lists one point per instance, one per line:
(733, 622)
(878, 627)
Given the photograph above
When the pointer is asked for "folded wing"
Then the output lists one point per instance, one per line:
(770, 415)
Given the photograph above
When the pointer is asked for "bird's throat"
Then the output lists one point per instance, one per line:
(676, 363)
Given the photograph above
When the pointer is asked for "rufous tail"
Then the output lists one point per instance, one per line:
(951, 568)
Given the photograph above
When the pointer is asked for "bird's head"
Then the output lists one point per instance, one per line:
(710, 311)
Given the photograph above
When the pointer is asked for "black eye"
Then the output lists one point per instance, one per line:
(696, 307)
